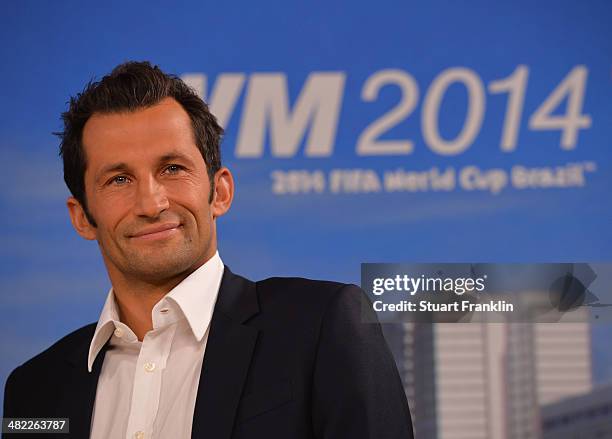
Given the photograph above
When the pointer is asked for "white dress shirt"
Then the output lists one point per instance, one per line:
(147, 389)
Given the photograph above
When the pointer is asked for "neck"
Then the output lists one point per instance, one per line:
(136, 301)
(136, 297)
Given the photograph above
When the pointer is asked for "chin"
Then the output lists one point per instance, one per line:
(158, 268)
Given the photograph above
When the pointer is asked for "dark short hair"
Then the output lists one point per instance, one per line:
(129, 87)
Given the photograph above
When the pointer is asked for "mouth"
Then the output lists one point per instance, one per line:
(161, 231)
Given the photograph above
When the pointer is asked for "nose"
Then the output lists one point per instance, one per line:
(151, 199)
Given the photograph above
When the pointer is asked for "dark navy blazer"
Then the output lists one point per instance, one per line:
(286, 358)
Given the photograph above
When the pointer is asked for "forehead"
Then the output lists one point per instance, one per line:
(138, 135)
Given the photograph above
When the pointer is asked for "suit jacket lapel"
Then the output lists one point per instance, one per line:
(78, 401)
(227, 358)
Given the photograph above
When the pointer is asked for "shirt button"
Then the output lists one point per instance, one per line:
(149, 367)
(139, 435)
(119, 332)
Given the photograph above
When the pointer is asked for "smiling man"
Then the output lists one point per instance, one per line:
(184, 347)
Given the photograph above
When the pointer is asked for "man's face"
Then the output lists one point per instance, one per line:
(147, 188)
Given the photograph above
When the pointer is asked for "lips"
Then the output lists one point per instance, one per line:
(158, 231)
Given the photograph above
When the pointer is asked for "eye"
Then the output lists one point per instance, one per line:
(173, 169)
(119, 180)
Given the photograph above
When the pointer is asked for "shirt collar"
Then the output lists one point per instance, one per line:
(194, 298)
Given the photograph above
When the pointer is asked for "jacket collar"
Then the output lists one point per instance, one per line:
(77, 401)
(227, 358)
(237, 297)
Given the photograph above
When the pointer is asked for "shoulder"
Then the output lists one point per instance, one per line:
(307, 297)
(302, 290)
(56, 353)
(31, 384)
(314, 289)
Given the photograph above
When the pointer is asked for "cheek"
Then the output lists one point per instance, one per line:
(189, 189)
(201, 219)
(110, 210)
(193, 199)
(201, 214)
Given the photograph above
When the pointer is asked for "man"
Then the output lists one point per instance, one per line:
(184, 347)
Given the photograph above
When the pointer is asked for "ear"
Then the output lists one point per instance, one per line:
(79, 220)
(223, 193)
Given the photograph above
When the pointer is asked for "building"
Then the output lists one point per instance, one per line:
(587, 416)
(488, 380)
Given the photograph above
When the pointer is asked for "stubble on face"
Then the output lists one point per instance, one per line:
(141, 140)
(157, 261)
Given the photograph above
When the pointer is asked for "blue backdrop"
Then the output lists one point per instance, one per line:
(421, 131)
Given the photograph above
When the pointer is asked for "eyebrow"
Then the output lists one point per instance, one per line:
(121, 166)
(115, 167)
(173, 156)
